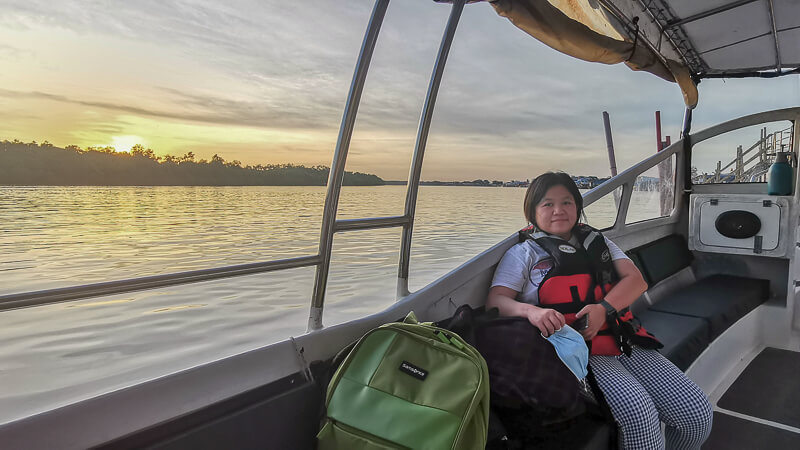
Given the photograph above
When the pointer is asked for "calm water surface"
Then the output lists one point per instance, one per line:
(64, 236)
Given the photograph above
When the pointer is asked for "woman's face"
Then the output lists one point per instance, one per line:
(556, 212)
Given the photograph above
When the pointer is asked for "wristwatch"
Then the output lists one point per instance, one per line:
(609, 309)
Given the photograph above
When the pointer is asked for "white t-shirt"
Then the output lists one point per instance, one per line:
(525, 265)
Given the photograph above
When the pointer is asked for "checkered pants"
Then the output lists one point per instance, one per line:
(645, 390)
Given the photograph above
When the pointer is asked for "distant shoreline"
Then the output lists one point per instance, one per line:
(32, 164)
(440, 183)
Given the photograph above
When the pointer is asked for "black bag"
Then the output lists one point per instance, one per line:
(524, 369)
(536, 400)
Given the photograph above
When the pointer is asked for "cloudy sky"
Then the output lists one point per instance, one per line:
(265, 81)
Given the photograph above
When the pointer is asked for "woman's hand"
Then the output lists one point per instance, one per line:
(597, 318)
(545, 319)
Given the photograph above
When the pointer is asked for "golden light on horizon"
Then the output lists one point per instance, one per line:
(125, 143)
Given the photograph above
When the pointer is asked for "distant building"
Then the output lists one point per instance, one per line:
(588, 182)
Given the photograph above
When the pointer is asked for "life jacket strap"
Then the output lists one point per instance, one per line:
(576, 296)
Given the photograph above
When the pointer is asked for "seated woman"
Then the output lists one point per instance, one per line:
(565, 272)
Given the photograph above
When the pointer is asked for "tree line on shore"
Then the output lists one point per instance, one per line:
(32, 164)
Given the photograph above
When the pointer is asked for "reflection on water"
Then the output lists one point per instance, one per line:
(64, 236)
(177, 308)
(107, 302)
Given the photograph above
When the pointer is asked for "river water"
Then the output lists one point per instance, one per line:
(65, 236)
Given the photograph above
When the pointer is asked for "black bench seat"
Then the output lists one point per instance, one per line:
(684, 337)
(688, 319)
(720, 300)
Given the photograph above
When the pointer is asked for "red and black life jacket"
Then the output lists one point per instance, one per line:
(583, 275)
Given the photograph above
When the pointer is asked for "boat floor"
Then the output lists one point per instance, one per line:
(761, 407)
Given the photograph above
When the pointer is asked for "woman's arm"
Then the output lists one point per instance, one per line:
(545, 319)
(630, 286)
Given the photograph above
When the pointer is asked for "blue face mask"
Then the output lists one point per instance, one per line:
(572, 350)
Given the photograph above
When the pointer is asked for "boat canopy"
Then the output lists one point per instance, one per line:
(682, 41)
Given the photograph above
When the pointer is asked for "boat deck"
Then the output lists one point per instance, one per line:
(761, 407)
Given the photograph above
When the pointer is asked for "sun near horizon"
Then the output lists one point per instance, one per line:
(126, 143)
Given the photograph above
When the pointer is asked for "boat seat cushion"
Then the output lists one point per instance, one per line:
(684, 337)
(720, 300)
(637, 261)
(661, 258)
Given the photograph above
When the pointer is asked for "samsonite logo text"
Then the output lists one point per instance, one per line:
(414, 371)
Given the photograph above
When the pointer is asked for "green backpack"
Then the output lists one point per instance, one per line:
(408, 385)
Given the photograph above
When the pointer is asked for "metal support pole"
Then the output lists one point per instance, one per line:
(739, 164)
(339, 159)
(778, 63)
(625, 203)
(666, 195)
(707, 13)
(658, 131)
(666, 176)
(419, 147)
(612, 160)
(687, 149)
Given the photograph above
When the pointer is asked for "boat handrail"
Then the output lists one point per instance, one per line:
(37, 298)
(371, 223)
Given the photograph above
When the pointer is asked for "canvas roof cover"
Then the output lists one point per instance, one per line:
(735, 37)
(678, 40)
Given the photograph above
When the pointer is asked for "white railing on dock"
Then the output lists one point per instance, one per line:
(755, 167)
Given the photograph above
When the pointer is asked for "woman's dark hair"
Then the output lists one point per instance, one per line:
(539, 187)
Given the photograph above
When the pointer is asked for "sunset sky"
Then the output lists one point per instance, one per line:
(265, 81)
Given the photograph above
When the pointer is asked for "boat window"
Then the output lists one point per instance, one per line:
(476, 218)
(740, 156)
(602, 214)
(653, 194)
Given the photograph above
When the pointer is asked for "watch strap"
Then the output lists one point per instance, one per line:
(609, 309)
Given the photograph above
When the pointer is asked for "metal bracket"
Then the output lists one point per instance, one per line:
(304, 366)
